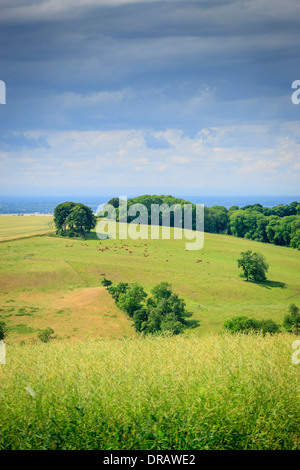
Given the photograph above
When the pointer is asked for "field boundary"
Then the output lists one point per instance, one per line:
(20, 237)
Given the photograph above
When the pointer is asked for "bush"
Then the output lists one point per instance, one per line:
(269, 326)
(291, 321)
(3, 330)
(106, 282)
(242, 324)
(45, 335)
(247, 325)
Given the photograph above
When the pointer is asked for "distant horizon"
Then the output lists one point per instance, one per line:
(120, 194)
(46, 204)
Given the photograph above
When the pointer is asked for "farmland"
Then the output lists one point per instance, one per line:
(56, 282)
(12, 227)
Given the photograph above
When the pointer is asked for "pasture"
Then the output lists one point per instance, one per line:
(56, 282)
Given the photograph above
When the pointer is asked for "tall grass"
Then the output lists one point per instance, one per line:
(212, 392)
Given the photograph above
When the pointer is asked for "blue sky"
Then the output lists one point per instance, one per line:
(116, 96)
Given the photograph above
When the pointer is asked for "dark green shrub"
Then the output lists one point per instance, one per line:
(269, 326)
(106, 282)
(3, 330)
(131, 300)
(139, 318)
(118, 289)
(291, 321)
(243, 324)
(71, 233)
(45, 335)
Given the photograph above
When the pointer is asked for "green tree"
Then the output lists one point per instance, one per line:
(81, 219)
(61, 213)
(78, 218)
(165, 311)
(114, 202)
(295, 233)
(117, 290)
(131, 300)
(140, 318)
(254, 266)
(291, 321)
(237, 223)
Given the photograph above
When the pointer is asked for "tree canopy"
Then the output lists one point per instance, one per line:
(279, 225)
(291, 321)
(73, 218)
(254, 266)
(163, 311)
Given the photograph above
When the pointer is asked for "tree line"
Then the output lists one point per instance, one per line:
(279, 225)
(163, 311)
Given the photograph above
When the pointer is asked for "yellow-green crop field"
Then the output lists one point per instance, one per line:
(14, 226)
(208, 392)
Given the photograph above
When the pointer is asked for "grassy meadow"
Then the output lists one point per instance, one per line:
(56, 282)
(98, 385)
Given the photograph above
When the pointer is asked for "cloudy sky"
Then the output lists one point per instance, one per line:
(107, 96)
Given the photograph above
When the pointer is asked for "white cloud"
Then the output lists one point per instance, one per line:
(96, 158)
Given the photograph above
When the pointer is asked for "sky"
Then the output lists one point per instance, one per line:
(149, 96)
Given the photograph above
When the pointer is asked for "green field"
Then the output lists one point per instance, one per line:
(20, 226)
(209, 392)
(56, 282)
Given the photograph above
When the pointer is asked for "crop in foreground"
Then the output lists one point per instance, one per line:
(213, 392)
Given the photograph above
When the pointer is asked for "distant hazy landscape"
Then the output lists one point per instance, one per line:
(46, 204)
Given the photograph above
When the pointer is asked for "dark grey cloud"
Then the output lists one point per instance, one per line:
(163, 51)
